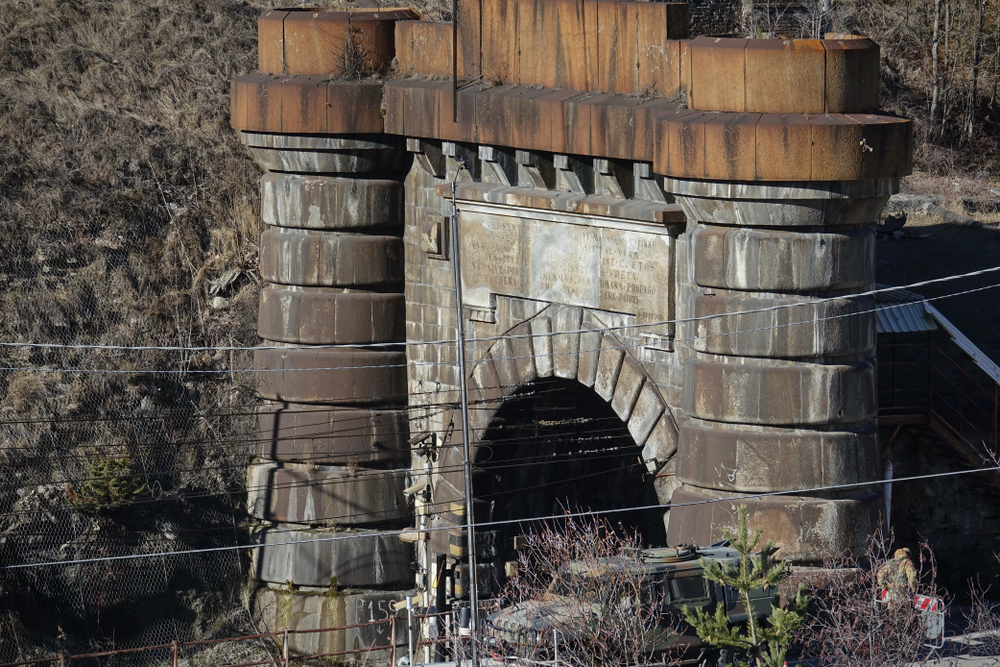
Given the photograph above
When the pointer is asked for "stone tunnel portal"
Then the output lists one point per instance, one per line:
(556, 446)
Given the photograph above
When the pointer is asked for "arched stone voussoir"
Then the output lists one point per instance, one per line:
(566, 321)
(609, 364)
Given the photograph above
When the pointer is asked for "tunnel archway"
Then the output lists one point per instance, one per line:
(553, 446)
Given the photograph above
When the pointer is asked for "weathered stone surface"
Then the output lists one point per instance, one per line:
(649, 406)
(661, 445)
(541, 330)
(781, 327)
(805, 529)
(765, 392)
(322, 155)
(331, 259)
(346, 559)
(566, 346)
(331, 203)
(627, 388)
(344, 375)
(782, 261)
(278, 609)
(785, 75)
(330, 495)
(609, 365)
(783, 213)
(320, 315)
(750, 460)
(326, 435)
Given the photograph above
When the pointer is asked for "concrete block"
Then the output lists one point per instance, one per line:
(764, 392)
(343, 375)
(566, 346)
(538, 30)
(263, 102)
(685, 139)
(330, 495)
(609, 365)
(404, 47)
(316, 42)
(782, 261)
(541, 330)
(785, 76)
(630, 381)
(766, 460)
(432, 48)
(325, 558)
(571, 44)
(888, 146)
(322, 316)
(806, 530)
(270, 41)
(783, 327)
(649, 407)
(718, 78)
(331, 203)
(333, 259)
(278, 609)
(661, 445)
(852, 75)
(327, 435)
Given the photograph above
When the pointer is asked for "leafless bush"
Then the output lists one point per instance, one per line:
(583, 579)
(851, 625)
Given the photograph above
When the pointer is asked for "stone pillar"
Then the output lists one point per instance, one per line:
(780, 398)
(331, 448)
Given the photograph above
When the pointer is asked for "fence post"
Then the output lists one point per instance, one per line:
(173, 648)
(284, 648)
(62, 660)
(409, 626)
(392, 640)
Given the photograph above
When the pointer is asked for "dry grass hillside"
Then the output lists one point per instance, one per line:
(129, 216)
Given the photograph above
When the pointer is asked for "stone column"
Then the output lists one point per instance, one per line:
(331, 449)
(781, 397)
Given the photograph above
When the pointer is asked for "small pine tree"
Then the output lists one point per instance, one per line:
(766, 643)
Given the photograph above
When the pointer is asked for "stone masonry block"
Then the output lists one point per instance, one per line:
(764, 460)
(331, 203)
(566, 346)
(782, 261)
(785, 75)
(661, 444)
(502, 354)
(323, 434)
(647, 411)
(627, 388)
(852, 75)
(318, 610)
(324, 558)
(805, 529)
(270, 41)
(608, 366)
(311, 258)
(764, 392)
(524, 353)
(329, 495)
(321, 316)
(590, 352)
(541, 331)
(343, 375)
(718, 79)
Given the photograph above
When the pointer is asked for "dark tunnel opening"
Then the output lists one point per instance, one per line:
(557, 446)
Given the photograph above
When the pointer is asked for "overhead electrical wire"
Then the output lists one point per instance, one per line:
(504, 522)
(683, 320)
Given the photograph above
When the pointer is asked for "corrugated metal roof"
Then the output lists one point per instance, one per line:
(903, 318)
(901, 311)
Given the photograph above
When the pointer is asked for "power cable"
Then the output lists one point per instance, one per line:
(487, 524)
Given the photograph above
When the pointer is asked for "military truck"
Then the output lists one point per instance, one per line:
(673, 577)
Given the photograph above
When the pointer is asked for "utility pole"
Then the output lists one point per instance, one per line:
(466, 449)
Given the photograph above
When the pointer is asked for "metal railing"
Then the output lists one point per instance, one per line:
(286, 656)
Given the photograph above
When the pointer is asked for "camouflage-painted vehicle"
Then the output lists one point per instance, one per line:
(672, 576)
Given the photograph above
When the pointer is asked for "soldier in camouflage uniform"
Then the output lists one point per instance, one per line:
(898, 576)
